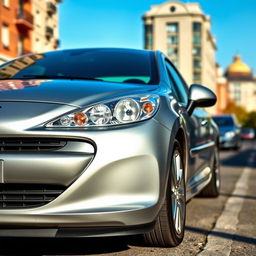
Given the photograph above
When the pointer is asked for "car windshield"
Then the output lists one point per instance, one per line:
(224, 121)
(123, 66)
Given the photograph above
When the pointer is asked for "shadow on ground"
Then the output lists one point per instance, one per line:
(234, 237)
(85, 246)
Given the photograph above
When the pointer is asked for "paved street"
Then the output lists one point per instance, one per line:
(223, 226)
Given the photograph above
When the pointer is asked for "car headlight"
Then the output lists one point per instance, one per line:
(230, 134)
(120, 111)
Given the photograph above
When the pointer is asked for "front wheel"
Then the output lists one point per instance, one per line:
(170, 223)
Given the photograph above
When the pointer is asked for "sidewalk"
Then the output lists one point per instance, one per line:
(244, 241)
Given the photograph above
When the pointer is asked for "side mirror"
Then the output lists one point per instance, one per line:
(200, 96)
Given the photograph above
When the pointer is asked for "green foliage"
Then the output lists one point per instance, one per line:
(250, 122)
(246, 119)
(239, 111)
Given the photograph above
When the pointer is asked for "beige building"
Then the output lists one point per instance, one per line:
(241, 84)
(45, 36)
(183, 32)
(223, 98)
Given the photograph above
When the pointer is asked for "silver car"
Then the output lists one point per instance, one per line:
(102, 142)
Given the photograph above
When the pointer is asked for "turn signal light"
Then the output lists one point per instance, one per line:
(80, 118)
(147, 108)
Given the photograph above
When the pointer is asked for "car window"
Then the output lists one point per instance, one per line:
(224, 121)
(177, 83)
(108, 65)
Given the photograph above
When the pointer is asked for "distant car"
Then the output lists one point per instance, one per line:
(102, 142)
(229, 131)
(247, 134)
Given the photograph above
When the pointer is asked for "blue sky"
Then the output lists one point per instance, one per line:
(118, 23)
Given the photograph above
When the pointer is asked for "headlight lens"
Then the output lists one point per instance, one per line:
(230, 134)
(100, 114)
(126, 110)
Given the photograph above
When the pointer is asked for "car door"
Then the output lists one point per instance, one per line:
(198, 125)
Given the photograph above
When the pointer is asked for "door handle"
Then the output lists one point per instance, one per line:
(204, 122)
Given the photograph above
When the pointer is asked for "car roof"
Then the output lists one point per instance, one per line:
(223, 116)
(106, 49)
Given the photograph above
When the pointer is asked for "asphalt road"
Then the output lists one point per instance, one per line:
(222, 226)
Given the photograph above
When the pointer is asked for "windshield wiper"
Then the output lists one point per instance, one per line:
(58, 77)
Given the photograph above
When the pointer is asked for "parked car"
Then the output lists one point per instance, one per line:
(229, 131)
(102, 142)
(247, 134)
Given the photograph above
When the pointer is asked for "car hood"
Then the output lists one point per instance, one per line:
(77, 93)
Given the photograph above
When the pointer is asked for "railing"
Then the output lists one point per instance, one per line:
(51, 8)
(56, 43)
(25, 16)
(49, 32)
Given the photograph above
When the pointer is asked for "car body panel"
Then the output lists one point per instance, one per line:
(63, 91)
(114, 177)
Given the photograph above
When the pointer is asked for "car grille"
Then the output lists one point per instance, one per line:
(30, 144)
(15, 196)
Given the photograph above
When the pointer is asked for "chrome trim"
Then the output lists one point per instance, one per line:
(1, 171)
(198, 149)
(41, 101)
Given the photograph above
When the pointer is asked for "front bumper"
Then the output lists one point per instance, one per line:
(120, 184)
(229, 142)
(76, 232)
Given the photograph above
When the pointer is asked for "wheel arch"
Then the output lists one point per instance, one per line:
(182, 139)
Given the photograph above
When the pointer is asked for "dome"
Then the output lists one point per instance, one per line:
(238, 67)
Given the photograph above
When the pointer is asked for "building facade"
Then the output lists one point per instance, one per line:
(183, 32)
(222, 92)
(45, 36)
(27, 26)
(241, 84)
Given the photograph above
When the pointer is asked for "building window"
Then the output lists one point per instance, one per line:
(172, 8)
(6, 3)
(172, 40)
(197, 77)
(5, 36)
(197, 64)
(197, 51)
(148, 37)
(197, 27)
(237, 92)
(172, 52)
(196, 38)
(172, 30)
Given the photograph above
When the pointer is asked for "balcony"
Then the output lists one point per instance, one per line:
(56, 43)
(24, 20)
(49, 32)
(51, 8)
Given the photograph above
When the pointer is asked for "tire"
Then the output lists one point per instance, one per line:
(238, 146)
(170, 223)
(213, 188)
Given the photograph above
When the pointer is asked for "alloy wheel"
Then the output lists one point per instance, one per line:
(178, 193)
